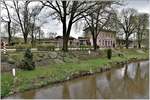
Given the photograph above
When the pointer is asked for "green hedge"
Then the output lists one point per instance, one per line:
(22, 47)
(10, 47)
(4, 58)
(84, 47)
(45, 47)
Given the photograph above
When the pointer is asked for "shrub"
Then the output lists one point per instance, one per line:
(4, 58)
(27, 63)
(109, 53)
(84, 47)
(45, 47)
(21, 47)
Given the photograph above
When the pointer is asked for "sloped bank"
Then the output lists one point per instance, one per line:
(45, 58)
(27, 80)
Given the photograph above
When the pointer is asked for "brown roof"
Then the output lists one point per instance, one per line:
(61, 37)
(103, 30)
(82, 37)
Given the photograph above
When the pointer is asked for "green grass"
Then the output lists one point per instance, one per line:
(42, 76)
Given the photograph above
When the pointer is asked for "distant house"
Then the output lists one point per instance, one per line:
(105, 39)
(49, 41)
(84, 41)
(122, 42)
(72, 42)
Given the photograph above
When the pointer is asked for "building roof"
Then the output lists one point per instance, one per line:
(103, 30)
(83, 38)
(61, 37)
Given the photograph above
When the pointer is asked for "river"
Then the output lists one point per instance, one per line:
(131, 81)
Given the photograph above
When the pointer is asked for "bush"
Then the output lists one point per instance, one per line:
(85, 47)
(21, 47)
(45, 47)
(4, 58)
(109, 53)
(27, 63)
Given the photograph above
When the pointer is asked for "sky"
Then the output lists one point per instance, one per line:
(56, 26)
(140, 5)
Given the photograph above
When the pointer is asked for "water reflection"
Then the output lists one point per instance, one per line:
(130, 81)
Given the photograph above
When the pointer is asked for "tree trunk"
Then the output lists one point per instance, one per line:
(65, 44)
(39, 35)
(139, 45)
(94, 42)
(32, 41)
(32, 32)
(127, 43)
(9, 33)
(64, 37)
(65, 41)
(139, 40)
(25, 38)
(127, 46)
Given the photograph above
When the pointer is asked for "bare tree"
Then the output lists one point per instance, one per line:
(68, 12)
(33, 18)
(52, 35)
(23, 17)
(143, 23)
(15, 29)
(128, 23)
(8, 22)
(97, 19)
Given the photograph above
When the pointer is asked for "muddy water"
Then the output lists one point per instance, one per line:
(129, 81)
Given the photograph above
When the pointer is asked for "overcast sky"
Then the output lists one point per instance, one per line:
(140, 5)
(55, 26)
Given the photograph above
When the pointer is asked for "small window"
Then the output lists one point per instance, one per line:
(99, 40)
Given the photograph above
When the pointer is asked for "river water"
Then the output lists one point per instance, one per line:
(129, 81)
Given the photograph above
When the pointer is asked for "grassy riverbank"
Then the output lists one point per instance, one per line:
(42, 76)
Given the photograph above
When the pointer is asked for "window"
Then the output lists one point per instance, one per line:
(99, 41)
(103, 42)
(111, 43)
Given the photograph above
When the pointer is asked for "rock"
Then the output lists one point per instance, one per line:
(11, 61)
(59, 57)
(52, 55)
(58, 61)
(62, 54)
(41, 55)
(91, 72)
(68, 78)
(140, 51)
(67, 59)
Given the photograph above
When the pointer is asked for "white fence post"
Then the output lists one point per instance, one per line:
(14, 72)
